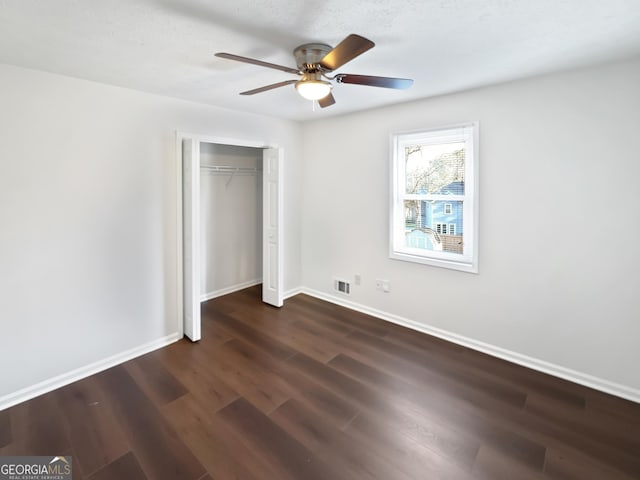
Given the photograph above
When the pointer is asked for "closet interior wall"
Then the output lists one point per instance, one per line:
(231, 218)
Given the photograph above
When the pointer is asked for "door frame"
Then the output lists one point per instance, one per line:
(180, 136)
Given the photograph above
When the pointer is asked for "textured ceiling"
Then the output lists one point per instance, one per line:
(166, 47)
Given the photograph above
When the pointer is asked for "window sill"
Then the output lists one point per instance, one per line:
(436, 262)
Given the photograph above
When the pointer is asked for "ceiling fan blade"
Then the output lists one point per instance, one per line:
(327, 101)
(385, 82)
(268, 87)
(345, 51)
(253, 61)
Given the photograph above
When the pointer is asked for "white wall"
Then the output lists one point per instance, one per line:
(231, 219)
(88, 196)
(559, 202)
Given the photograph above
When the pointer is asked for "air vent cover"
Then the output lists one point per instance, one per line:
(341, 286)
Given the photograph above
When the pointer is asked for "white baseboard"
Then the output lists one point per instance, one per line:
(293, 292)
(601, 384)
(83, 372)
(231, 289)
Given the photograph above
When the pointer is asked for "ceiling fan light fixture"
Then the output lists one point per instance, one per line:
(313, 89)
(315, 61)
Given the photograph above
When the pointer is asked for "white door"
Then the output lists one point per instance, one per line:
(272, 259)
(191, 236)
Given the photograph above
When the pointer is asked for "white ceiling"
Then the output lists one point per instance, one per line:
(166, 47)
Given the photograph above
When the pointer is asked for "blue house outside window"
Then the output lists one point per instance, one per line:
(434, 212)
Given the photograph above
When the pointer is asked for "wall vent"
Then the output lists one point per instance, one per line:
(342, 286)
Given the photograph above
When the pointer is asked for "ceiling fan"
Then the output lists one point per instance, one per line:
(315, 61)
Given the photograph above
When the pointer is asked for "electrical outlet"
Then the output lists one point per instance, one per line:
(383, 285)
(357, 279)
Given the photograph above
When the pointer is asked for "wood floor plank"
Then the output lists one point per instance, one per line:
(491, 464)
(441, 438)
(414, 457)
(301, 314)
(215, 445)
(326, 403)
(424, 342)
(250, 381)
(445, 396)
(333, 446)
(454, 361)
(213, 331)
(298, 339)
(77, 472)
(198, 377)
(443, 408)
(93, 433)
(444, 369)
(571, 465)
(240, 329)
(555, 389)
(503, 431)
(155, 380)
(350, 318)
(586, 423)
(154, 443)
(612, 407)
(37, 428)
(547, 431)
(418, 373)
(286, 455)
(125, 467)
(5, 428)
(249, 358)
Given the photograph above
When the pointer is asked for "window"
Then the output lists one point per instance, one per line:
(434, 197)
(445, 229)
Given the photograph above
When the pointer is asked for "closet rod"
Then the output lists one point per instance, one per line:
(230, 169)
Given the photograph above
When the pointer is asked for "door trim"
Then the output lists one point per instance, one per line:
(180, 136)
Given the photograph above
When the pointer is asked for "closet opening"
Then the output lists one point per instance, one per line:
(231, 223)
(230, 219)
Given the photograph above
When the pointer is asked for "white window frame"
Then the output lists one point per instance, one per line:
(448, 208)
(468, 260)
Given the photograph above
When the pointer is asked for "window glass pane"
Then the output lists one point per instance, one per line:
(427, 227)
(435, 169)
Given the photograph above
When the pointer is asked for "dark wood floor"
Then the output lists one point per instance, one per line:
(315, 391)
